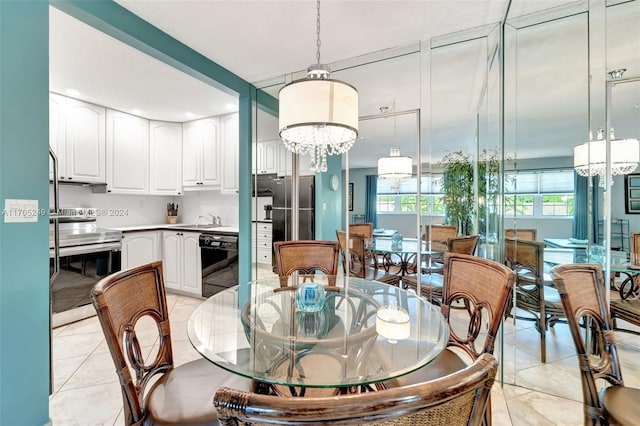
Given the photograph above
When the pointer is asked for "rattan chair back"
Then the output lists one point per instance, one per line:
(438, 235)
(463, 244)
(522, 234)
(362, 229)
(457, 399)
(359, 266)
(583, 295)
(635, 249)
(306, 257)
(121, 300)
(485, 287)
(526, 258)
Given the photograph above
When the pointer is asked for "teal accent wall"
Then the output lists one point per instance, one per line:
(244, 196)
(24, 247)
(329, 203)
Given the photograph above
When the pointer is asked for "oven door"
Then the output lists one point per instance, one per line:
(81, 267)
(219, 269)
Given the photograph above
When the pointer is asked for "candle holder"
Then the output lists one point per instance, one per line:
(310, 297)
(392, 323)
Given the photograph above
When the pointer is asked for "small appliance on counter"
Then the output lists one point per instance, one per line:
(267, 211)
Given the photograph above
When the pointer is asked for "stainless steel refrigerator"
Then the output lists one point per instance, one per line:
(281, 213)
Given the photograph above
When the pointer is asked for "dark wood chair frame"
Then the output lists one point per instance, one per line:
(457, 399)
(358, 265)
(583, 294)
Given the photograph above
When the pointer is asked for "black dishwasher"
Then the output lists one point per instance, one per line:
(219, 255)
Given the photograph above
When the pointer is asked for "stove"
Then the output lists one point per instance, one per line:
(87, 254)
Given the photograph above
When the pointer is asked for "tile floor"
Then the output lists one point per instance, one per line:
(546, 394)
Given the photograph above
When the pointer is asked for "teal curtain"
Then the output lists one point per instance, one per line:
(581, 208)
(370, 209)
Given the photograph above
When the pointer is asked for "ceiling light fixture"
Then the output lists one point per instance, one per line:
(590, 158)
(318, 115)
(394, 168)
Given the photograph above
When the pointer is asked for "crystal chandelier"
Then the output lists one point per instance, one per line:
(395, 168)
(318, 115)
(590, 158)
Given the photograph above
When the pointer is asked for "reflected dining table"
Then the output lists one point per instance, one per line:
(267, 338)
(403, 255)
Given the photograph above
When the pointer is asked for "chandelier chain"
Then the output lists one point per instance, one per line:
(318, 32)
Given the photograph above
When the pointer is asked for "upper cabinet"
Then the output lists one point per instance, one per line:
(201, 154)
(266, 156)
(230, 140)
(77, 136)
(127, 153)
(165, 154)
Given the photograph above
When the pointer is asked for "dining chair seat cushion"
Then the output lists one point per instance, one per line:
(621, 404)
(183, 395)
(444, 364)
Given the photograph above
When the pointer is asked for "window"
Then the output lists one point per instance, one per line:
(403, 198)
(541, 193)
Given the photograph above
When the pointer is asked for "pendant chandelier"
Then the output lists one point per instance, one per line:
(394, 168)
(318, 115)
(590, 158)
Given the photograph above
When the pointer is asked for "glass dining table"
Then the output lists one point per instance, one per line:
(342, 346)
(401, 254)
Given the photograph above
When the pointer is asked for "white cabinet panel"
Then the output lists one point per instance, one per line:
(127, 153)
(201, 154)
(230, 138)
(263, 242)
(266, 157)
(165, 151)
(182, 264)
(77, 136)
(140, 248)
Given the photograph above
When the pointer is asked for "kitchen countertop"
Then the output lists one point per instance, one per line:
(262, 221)
(179, 226)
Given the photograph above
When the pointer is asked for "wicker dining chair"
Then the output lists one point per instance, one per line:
(535, 293)
(363, 229)
(306, 257)
(485, 287)
(458, 399)
(583, 294)
(181, 395)
(358, 265)
(522, 234)
(431, 283)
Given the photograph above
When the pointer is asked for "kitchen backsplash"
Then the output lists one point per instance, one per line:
(132, 210)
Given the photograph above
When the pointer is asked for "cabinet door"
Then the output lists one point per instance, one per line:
(85, 142)
(127, 153)
(140, 248)
(165, 149)
(191, 154)
(211, 152)
(191, 267)
(172, 259)
(269, 156)
(230, 140)
(284, 161)
(258, 156)
(57, 132)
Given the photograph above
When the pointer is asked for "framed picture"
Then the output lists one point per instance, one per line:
(632, 194)
(351, 197)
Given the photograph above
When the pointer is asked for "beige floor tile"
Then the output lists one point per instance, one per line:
(183, 352)
(88, 406)
(179, 330)
(63, 369)
(97, 369)
(186, 300)
(76, 345)
(499, 410)
(538, 409)
(120, 419)
(88, 325)
(552, 380)
(182, 312)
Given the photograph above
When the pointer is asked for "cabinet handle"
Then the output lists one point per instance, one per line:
(69, 178)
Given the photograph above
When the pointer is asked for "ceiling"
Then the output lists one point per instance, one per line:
(262, 41)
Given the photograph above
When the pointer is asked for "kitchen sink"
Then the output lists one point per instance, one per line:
(196, 226)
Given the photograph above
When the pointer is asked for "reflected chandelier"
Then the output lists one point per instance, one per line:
(590, 158)
(318, 115)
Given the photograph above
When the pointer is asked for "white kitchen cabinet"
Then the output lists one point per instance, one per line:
(77, 136)
(201, 154)
(165, 158)
(140, 248)
(229, 130)
(127, 153)
(266, 157)
(263, 242)
(181, 262)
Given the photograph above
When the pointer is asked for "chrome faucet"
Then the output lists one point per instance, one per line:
(215, 220)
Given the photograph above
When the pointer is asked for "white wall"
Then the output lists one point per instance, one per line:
(203, 203)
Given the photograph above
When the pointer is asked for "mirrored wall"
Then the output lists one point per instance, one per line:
(489, 118)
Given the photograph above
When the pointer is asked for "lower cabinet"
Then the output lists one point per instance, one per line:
(263, 243)
(182, 263)
(140, 248)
